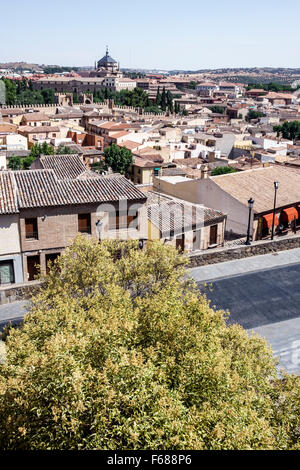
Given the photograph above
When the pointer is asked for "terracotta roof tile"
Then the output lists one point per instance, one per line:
(41, 188)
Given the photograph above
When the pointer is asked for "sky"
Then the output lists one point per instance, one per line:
(155, 34)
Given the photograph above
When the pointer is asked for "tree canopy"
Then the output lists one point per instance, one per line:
(119, 159)
(271, 87)
(222, 170)
(217, 109)
(19, 163)
(119, 352)
(22, 92)
(252, 114)
(289, 130)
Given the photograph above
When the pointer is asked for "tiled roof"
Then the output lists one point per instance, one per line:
(40, 188)
(173, 215)
(259, 184)
(32, 117)
(8, 199)
(64, 166)
(38, 129)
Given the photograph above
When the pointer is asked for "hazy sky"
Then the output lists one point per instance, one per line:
(162, 34)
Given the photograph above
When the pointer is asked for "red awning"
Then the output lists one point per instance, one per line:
(290, 214)
(268, 220)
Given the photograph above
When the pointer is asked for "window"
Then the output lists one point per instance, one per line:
(84, 223)
(7, 275)
(120, 220)
(31, 229)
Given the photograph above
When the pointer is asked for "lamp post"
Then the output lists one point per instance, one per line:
(250, 206)
(276, 186)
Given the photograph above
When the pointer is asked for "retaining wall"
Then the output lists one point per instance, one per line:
(16, 292)
(220, 255)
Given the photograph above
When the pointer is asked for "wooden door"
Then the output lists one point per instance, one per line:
(32, 266)
(213, 235)
(180, 242)
(50, 257)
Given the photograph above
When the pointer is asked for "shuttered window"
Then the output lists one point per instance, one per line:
(31, 228)
(122, 220)
(84, 223)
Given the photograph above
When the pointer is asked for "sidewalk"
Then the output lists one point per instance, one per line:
(14, 310)
(284, 339)
(245, 265)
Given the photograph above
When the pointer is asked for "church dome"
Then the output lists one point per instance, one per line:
(106, 60)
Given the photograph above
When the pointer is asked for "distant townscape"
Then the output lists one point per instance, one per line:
(146, 218)
(73, 141)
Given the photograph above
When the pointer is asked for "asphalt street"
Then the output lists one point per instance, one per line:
(266, 302)
(13, 313)
(260, 298)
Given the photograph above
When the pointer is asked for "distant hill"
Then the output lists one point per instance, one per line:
(21, 66)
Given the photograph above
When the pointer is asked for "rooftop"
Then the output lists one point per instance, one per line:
(41, 188)
(259, 184)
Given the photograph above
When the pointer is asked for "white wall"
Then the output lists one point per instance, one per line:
(209, 194)
(16, 142)
(9, 234)
(2, 162)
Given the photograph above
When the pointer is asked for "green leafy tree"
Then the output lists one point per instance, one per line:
(63, 150)
(27, 161)
(217, 109)
(289, 130)
(192, 85)
(158, 97)
(99, 166)
(15, 163)
(163, 103)
(170, 101)
(119, 159)
(222, 170)
(10, 91)
(44, 149)
(119, 352)
(252, 114)
(48, 96)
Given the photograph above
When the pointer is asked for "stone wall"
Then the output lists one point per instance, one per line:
(219, 255)
(16, 292)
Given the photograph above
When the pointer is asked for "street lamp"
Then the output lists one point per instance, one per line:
(250, 206)
(276, 186)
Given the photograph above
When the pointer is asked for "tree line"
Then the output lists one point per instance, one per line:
(21, 92)
(271, 87)
(288, 130)
(18, 163)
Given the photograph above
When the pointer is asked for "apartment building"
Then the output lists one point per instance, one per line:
(41, 214)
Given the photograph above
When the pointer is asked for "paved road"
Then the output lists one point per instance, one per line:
(13, 312)
(246, 265)
(266, 301)
(260, 298)
(284, 339)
